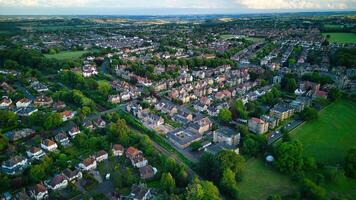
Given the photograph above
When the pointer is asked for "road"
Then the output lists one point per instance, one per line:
(277, 134)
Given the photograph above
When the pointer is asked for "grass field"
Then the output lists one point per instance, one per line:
(342, 37)
(66, 55)
(259, 181)
(332, 135)
(342, 186)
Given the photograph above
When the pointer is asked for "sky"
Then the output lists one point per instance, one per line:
(157, 7)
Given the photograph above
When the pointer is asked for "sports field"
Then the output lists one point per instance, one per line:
(332, 135)
(341, 37)
(66, 55)
(259, 181)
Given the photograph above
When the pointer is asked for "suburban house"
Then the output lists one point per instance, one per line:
(101, 156)
(182, 138)
(39, 87)
(117, 150)
(62, 138)
(14, 165)
(140, 192)
(132, 152)
(139, 160)
(22, 103)
(72, 175)
(257, 125)
(35, 153)
(59, 105)
(88, 164)
(67, 115)
(43, 101)
(26, 111)
(5, 102)
(38, 192)
(147, 172)
(19, 134)
(48, 145)
(100, 123)
(56, 183)
(115, 99)
(227, 136)
(73, 131)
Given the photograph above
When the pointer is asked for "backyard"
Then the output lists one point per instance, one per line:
(259, 181)
(332, 135)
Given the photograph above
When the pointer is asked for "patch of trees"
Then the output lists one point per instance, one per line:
(224, 169)
(350, 163)
(202, 190)
(289, 83)
(344, 57)
(45, 120)
(8, 119)
(317, 78)
(289, 157)
(225, 115)
(33, 59)
(309, 114)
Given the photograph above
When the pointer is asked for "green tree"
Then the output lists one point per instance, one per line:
(312, 190)
(289, 157)
(228, 184)
(309, 114)
(202, 190)
(225, 115)
(104, 88)
(3, 142)
(8, 119)
(274, 197)
(119, 132)
(350, 163)
(167, 182)
(230, 160)
(239, 110)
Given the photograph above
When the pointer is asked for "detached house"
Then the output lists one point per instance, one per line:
(147, 172)
(22, 103)
(201, 126)
(100, 123)
(136, 157)
(48, 145)
(43, 101)
(5, 102)
(73, 131)
(57, 183)
(67, 115)
(101, 156)
(88, 164)
(35, 153)
(72, 176)
(117, 150)
(38, 192)
(14, 165)
(62, 138)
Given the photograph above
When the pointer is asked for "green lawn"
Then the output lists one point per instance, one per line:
(342, 186)
(66, 55)
(332, 135)
(342, 37)
(259, 181)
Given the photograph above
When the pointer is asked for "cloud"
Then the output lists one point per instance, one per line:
(207, 4)
(179, 4)
(296, 4)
